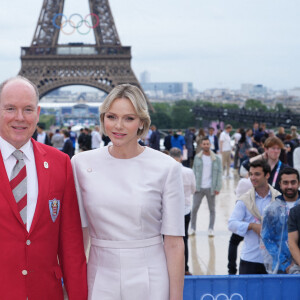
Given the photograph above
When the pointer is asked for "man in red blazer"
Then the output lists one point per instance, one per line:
(45, 244)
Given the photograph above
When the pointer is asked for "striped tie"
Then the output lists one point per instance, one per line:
(18, 183)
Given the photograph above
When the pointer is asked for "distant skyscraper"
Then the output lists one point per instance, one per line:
(253, 90)
(161, 89)
(145, 77)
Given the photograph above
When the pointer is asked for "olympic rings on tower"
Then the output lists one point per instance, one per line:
(75, 21)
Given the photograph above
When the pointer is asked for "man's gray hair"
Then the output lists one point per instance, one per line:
(175, 152)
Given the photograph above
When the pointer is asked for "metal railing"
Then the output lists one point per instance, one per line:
(80, 49)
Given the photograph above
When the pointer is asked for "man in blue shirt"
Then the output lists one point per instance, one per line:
(73, 138)
(246, 217)
(178, 141)
(278, 259)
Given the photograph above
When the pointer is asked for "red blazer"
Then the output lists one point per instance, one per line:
(29, 266)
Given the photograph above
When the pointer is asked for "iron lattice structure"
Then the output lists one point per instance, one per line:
(102, 65)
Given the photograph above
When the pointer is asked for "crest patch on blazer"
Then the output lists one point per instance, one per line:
(54, 206)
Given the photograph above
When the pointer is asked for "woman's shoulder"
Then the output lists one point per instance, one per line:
(90, 154)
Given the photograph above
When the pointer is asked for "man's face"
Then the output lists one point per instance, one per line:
(211, 131)
(289, 185)
(205, 145)
(19, 112)
(273, 152)
(258, 178)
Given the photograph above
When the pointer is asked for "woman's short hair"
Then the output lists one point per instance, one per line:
(138, 100)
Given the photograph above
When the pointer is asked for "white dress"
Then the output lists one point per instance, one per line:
(128, 204)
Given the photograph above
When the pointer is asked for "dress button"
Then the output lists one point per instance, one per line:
(24, 272)
(28, 242)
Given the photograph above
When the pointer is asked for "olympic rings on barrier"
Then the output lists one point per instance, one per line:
(222, 296)
(75, 25)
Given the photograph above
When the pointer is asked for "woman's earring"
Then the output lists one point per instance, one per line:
(140, 128)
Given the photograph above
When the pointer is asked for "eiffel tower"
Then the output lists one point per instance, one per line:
(102, 65)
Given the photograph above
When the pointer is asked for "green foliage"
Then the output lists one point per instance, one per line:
(48, 120)
(161, 119)
(252, 104)
(279, 107)
(180, 114)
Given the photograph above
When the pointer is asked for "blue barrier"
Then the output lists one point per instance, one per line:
(242, 287)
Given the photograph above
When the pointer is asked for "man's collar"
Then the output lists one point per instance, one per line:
(258, 196)
(7, 149)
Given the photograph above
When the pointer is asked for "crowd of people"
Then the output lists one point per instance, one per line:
(132, 203)
(268, 165)
(66, 140)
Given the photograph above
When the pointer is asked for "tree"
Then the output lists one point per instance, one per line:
(253, 104)
(48, 120)
(182, 114)
(161, 119)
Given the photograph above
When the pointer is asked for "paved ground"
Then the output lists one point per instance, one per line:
(208, 256)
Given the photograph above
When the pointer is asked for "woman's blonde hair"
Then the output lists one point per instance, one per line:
(138, 100)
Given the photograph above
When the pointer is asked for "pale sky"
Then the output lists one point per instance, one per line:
(212, 43)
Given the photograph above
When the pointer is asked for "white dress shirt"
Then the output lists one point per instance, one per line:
(41, 137)
(212, 142)
(239, 222)
(32, 181)
(206, 171)
(225, 138)
(189, 187)
(296, 158)
(96, 139)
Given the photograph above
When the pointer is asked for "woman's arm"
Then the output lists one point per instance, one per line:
(174, 249)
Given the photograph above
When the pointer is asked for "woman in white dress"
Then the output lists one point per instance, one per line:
(129, 196)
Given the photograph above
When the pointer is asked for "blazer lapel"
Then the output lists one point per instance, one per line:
(6, 192)
(43, 182)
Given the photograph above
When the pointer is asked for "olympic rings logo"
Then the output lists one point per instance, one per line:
(69, 25)
(222, 296)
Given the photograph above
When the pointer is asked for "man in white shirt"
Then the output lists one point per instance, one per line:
(96, 138)
(40, 135)
(40, 227)
(296, 159)
(214, 142)
(208, 172)
(225, 149)
(189, 186)
(246, 218)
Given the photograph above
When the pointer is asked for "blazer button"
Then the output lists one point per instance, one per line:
(24, 272)
(28, 242)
